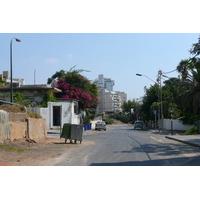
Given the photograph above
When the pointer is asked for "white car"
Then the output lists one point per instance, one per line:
(138, 124)
(100, 125)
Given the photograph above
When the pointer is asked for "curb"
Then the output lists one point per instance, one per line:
(189, 143)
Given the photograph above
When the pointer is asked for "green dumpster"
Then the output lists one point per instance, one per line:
(72, 132)
(76, 132)
(66, 132)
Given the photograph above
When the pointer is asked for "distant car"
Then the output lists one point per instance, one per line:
(100, 125)
(138, 124)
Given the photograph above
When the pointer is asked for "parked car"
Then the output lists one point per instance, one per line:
(138, 124)
(100, 125)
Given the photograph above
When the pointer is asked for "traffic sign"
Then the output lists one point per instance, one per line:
(155, 112)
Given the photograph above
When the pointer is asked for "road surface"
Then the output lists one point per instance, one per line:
(121, 145)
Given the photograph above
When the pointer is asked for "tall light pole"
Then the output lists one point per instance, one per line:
(159, 99)
(11, 83)
(145, 76)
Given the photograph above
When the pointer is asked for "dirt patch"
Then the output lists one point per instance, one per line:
(24, 153)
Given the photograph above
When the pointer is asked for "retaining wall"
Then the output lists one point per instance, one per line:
(37, 128)
(17, 130)
(4, 125)
(18, 126)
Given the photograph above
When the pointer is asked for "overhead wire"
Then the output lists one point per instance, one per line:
(169, 72)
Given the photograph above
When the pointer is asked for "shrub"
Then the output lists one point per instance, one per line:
(33, 115)
(108, 121)
(192, 131)
(122, 118)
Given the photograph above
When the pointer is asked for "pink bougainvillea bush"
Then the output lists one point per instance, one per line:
(75, 86)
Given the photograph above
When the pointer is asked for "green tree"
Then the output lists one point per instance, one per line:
(75, 86)
(171, 97)
(195, 50)
(151, 96)
(183, 68)
(190, 87)
(2, 81)
(191, 92)
(131, 109)
(57, 75)
(48, 98)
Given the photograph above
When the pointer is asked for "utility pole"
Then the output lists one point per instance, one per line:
(160, 105)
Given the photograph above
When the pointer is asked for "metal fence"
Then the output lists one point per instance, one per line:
(6, 103)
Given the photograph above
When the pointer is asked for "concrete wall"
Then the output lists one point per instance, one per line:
(37, 128)
(177, 125)
(18, 130)
(4, 125)
(20, 117)
(20, 127)
(43, 112)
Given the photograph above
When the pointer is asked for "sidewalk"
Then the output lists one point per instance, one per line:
(192, 140)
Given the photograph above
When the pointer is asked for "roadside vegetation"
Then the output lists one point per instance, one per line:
(11, 148)
(16, 108)
(180, 94)
(192, 131)
(108, 120)
(75, 86)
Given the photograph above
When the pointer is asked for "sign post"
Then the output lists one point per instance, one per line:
(171, 110)
(155, 112)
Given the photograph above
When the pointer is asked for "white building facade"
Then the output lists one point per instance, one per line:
(59, 113)
(17, 82)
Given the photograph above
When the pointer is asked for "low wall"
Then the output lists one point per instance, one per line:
(37, 128)
(177, 125)
(17, 130)
(17, 126)
(17, 117)
(4, 125)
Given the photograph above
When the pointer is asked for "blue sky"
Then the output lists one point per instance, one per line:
(114, 38)
(118, 56)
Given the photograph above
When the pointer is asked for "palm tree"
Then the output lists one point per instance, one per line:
(195, 50)
(190, 87)
(183, 68)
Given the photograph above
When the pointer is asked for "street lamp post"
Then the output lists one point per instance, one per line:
(146, 77)
(159, 100)
(11, 82)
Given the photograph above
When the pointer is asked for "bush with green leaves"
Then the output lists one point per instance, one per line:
(192, 131)
(48, 98)
(108, 121)
(120, 117)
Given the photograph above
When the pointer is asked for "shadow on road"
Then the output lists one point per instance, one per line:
(181, 161)
(154, 151)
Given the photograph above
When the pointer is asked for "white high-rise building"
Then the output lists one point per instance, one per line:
(109, 101)
(106, 83)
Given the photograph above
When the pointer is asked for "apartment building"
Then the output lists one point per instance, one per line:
(109, 101)
(17, 82)
(106, 83)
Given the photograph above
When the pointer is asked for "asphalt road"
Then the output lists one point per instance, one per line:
(121, 145)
